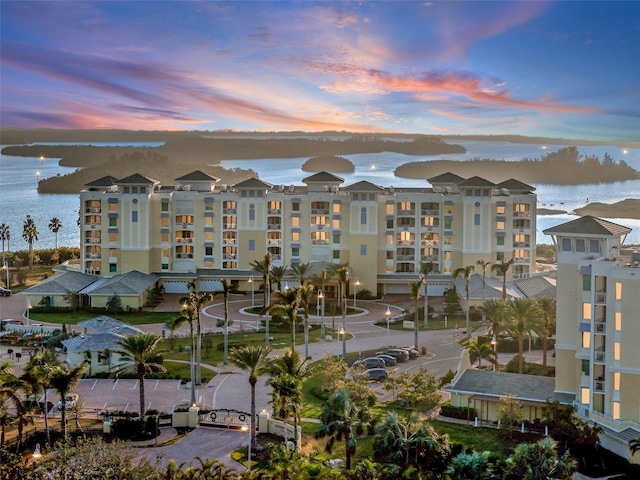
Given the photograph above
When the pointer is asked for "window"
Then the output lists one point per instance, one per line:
(336, 254)
(390, 239)
(113, 222)
(390, 223)
(165, 207)
(208, 251)
(208, 236)
(208, 221)
(165, 252)
(295, 252)
(252, 212)
(295, 207)
(113, 252)
(615, 413)
(165, 266)
(616, 380)
(616, 350)
(355, 196)
(113, 207)
(566, 244)
(363, 249)
(335, 223)
(584, 396)
(586, 339)
(500, 241)
(134, 216)
(618, 291)
(447, 223)
(164, 237)
(389, 254)
(447, 255)
(594, 246)
(243, 194)
(476, 219)
(336, 239)
(618, 321)
(113, 237)
(501, 209)
(363, 216)
(585, 367)
(295, 222)
(164, 222)
(336, 208)
(113, 268)
(499, 225)
(581, 245)
(295, 236)
(134, 189)
(586, 311)
(586, 283)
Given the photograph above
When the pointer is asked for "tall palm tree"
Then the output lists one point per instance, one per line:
(263, 267)
(341, 272)
(197, 300)
(479, 351)
(546, 327)
(225, 291)
(30, 235)
(276, 275)
(634, 445)
(502, 268)
(338, 416)
(188, 314)
(414, 294)
(139, 351)
(465, 272)
(55, 225)
(523, 318)
(304, 296)
(322, 279)
(37, 373)
(484, 264)
(425, 270)
(251, 359)
(10, 386)
(540, 461)
(63, 381)
(301, 272)
(288, 310)
(5, 235)
(286, 393)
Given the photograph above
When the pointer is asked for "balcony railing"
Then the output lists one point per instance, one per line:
(599, 385)
(406, 258)
(519, 213)
(599, 355)
(601, 296)
(406, 213)
(230, 226)
(319, 211)
(405, 243)
(274, 226)
(92, 240)
(320, 242)
(429, 213)
(521, 244)
(229, 256)
(522, 260)
(92, 210)
(184, 255)
(601, 326)
(275, 211)
(230, 211)
(429, 242)
(274, 241)
(230, 241)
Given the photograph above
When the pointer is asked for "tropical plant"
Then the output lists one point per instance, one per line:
(502, 268)
(188, 314)
(263, 267)
(276, 275)
(289, 313)
(470, 466)
(481, 351)
(251, 359)
(5, 235)
(139, 353)
(425, 270)
(301, 272)
(63, 381)
(546, 327)
(339, 413)
(634, 445)
(114, 303)
(341, 271)
(509, 413)
(303, 299)
(37, 373)
(225, 291)
(414, 294)
(10, 386)
(523, 319)
(465, 272)
(55, 225)
(539, 461)
(484, 264)
(30, 235)
(197, 300)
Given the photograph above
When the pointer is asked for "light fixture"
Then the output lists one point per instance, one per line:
(36, 453)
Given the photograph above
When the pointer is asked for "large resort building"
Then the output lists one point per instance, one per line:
(199, 229)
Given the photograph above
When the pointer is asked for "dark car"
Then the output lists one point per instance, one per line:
(375, 374)
(5, 292)
(398, 353)
(413, 352)
(371, 362)
(388, 359)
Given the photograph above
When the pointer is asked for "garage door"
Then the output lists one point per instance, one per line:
(173, 286)
(210, 285)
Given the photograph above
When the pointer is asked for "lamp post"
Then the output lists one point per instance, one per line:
(5, 266)
(343, 332)
(388, 313)
(37, 177)
(37, 454)
(248, 428)
(424, 280)
(28, 308)
(494, 344)
(321, 297)
(192, 364)
(252, 297)
(356, 284)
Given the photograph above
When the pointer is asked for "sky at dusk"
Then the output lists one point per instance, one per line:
(560, 69)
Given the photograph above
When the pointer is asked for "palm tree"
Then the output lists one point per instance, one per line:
(251, 359)
(546, 327)
(276, 275)
(414, 294)
(425, 270)
(286, 393)
(470, 466)
(63, 381)
(263, 267)
(5, 235)
(303, 298)
(288, 310)
(226, 290)
(55, 225)
(188, 314)
(30, 235)
(10, 385)
(478, 352)
(140, 352)
(523, 318)
(540, 461)
(198, 300)
(502, 268)
(322, 278)
(465, 272)
(634, 446)
(301, 271)
(484, 264)
(338, 416)
(37, 373)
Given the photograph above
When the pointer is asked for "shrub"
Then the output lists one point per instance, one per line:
(463, 413)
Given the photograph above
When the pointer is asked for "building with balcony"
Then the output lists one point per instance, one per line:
(598, 327)
(200, 229)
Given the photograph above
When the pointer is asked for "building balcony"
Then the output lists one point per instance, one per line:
(274, 211)
(429, 213)
(274, 226)
(185, 225)
(600, 326)
(319, 226)
(184, 240)
(521, 244)
(522, 214)
(230, 241)
(229, 256)
(184, 255)
(599, 355)
(522, 260)
(230, 226)
(319, 211)
(430, 228)
(429, 243)
(93, 256)
(601, 296)
(319, 242)
(93, 210)
(599, 385)
(406, 213)
(92, 240)
(93, 226)
(405, 243)
(406, 258)
(274, 241)
(230, 211)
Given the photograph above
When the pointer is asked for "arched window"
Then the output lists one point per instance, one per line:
(363, 216)
(252, 212)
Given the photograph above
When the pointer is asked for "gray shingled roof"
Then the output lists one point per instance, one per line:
(492, 288)
(130, 283)
(105, 324)
(323, 177)
(95, 342)
(446, 178)
(197, 176)
(498, 384)
(107, 181)
(61, 284)
(536, 286)
(516, 185)
(476, 181)
(253, 183)
(588, 225)
(364, 186)
(137, 179)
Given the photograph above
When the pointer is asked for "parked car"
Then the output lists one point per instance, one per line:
(70, 401)
(5, 292)
(388, 359)
(375, 374)
(371, 362)
(399, 354)
(413, 352)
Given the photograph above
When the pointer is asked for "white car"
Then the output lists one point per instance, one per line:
(70, 401)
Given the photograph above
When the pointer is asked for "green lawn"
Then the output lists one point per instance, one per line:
(132, 318)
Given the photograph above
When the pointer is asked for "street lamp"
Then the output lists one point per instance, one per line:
(28, 308)
(251, 282)
(37, 454)
(5, 266)
(248, 428)
(425, 281)
(192, 363)
(344, 341)
(388, 313)
(494, 344)
(37, 176)
(355, 288)
(321, 297)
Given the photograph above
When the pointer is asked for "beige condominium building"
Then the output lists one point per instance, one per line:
(198, 228)
(598, 327)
